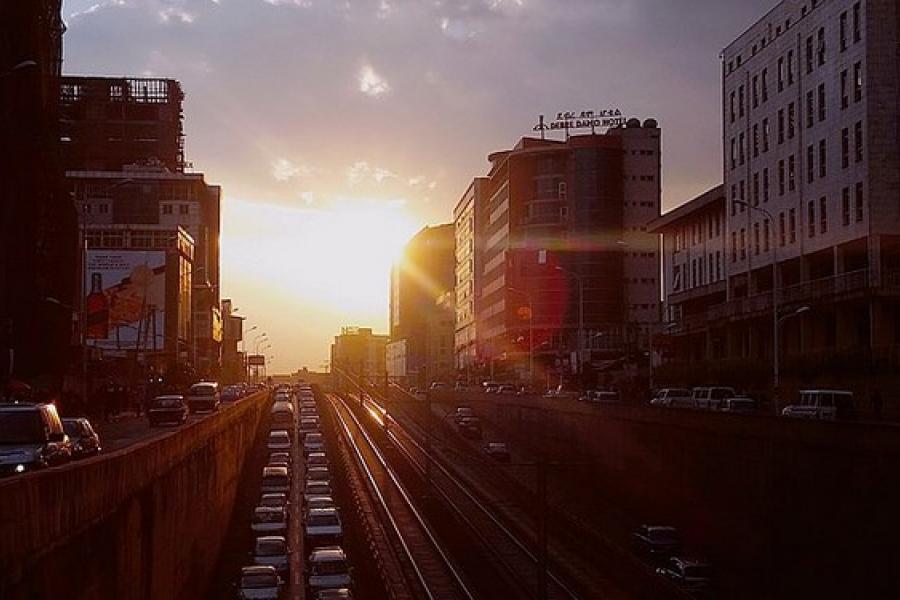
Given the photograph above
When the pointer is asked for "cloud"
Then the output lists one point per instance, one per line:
(371, 83)
(299, 3)
(173, 13)
(285, 170)
(361, 171)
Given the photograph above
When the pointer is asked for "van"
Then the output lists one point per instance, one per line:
(711, 398)
(32, 437)
(673, 398)
(203, 397)
(826, 405)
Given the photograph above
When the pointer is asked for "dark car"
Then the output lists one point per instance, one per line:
(230, 394)
(31, 437)
(470, 427)
(204, 397)
(498, 451)
(167, 410)
(691, 574)
(657, 542)
(85, 441)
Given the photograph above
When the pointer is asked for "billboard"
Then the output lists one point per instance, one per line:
(126, 299)
(256, 360)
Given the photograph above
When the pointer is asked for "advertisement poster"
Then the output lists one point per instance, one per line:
(126, 299)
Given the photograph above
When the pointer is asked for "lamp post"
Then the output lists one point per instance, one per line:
(530, 332)
(778, 322)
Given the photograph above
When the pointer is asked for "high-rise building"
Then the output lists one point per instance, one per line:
(359, 353)
(569, 274)
(469, 218)
(425, 272)
(38, 245)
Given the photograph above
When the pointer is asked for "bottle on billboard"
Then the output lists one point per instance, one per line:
(97, 307)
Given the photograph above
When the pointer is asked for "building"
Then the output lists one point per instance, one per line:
(38, 233)
(569, 274)
(425, 272)
(234, 368)
(143, 195)
(440, 364)
(469, 218)
(812, 173)
(107, 123)
(358, 352)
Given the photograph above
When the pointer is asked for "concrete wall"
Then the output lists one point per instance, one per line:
(783, 508)
(144, 522)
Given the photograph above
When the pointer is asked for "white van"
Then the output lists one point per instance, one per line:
(673, 398)
(826, 405)
(711, 398)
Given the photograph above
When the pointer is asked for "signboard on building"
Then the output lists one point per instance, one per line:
(583, 119)
(256, 360)
(125, 299)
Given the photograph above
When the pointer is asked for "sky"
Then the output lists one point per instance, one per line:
(337, 129)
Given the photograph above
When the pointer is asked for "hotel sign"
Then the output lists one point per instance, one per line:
(585, 119)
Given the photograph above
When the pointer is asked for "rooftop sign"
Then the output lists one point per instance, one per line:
(585, 119)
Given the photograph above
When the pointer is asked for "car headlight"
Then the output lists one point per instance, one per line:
(20, 468)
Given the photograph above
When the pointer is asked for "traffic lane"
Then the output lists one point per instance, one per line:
(295, 526)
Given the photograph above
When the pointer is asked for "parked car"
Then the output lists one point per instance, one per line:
(327, 568)
(31, 437)
(739, 405)
(85, 441)
(601, 397)
(269, 519)
(490, 387)
(711, 398)
(691, 574)
(497, 450)
(825, 405)
(322, 526)
(259, 582)
(279, 439)
(275, 499)
(275, 479)
(657, 542)
(313, 442)
(438, 386)
(172, 410)
(673, 398)
(507, 390)
(560, 393)
(204, 397)
(272, 550)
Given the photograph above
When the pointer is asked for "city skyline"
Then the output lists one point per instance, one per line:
(282, 158)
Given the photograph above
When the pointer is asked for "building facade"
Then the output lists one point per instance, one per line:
(468, 222)
(569, 274)
(440, 363)
(358, 352)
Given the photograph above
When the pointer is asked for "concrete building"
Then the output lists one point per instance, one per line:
(233, 367)
(359, 352)
(440, 363)
(469, 218)
(566, 250)
(141, 195)
(425, 272)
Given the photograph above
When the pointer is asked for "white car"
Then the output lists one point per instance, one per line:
(279, 439)
(322, 525)
(673, 398)
(259, 582)
(826, 405)
(272, 550)
(269, 519)
(327, 568)
(711, 398)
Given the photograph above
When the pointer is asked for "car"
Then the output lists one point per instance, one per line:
(322, 526)
(324, 501)
(739, 405)
(711, 398)
(308, 425)
(470, 427)
(327, 568)
(462, 412)
(673, 398)
(204, 397)
(507, 390)
(657, 542)
(272, 550)
(309, 411)
(826, 405)
(279, 439)
(259, 582)
(283, 415)
(316, 459)
(601, 397)
(498, 451)
(85, 441)
(313, 442)
(307, 403)
(437, 386)
(561, 393)
(280, 457)
(275, 499)
(32, 437)
(279, 462)
(172, 410)
(318, 474)
(316, 488)
(335, 594)
(489, 387)
(269, 519)
(275, 479)
(230, 393)
(691, 574)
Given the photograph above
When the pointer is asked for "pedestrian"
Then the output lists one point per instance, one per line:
(877, 404)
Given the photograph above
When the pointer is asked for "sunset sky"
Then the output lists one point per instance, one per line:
(339, 128)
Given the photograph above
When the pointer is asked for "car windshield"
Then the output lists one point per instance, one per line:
(270, 547)
(21, 427)
(268, 516)
(314, 438)
(316, 520)
(74, 428)
(203, 390)
(331, 567)
(166, 403)
(258, 581)
(279, 480)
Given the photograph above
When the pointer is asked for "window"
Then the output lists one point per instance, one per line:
(167, 209)
(733, 198)
(781, 126)
(755, 91)
(765, 185)
(845, 206)
(741, 101)
(821, 96)
(756, 239)
(741, 145)
(733, 246)
(755, 140)
(823, 214)
(781, 231)
(809, 55)
(845, 148)
(780, 73)
(810, 167)
(764, 84)
(843, 31)
(792, 173)
(790, 67)
(810, 219)
(765, 135)
(718, 265)
(781, 178)
(823, 158)
(743, 197)
(103, 208)
(858, 141)
(731, 104)
(820, 46)
(857, 32)
(743, 243)
(755, 189)
(857, 82)
(766, 235)
(859, 202)
(791, 121)
(733, 153)
(809, 109)
(792, 225)
(845, 99)
(184, 209)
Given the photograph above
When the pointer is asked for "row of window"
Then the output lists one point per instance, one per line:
(816, 222)
(704, 270)
(816, 110)
(103, 208)
(692, 234)
(183, 209)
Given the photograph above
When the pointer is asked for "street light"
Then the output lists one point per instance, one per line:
(775, 359)
(530, 332)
